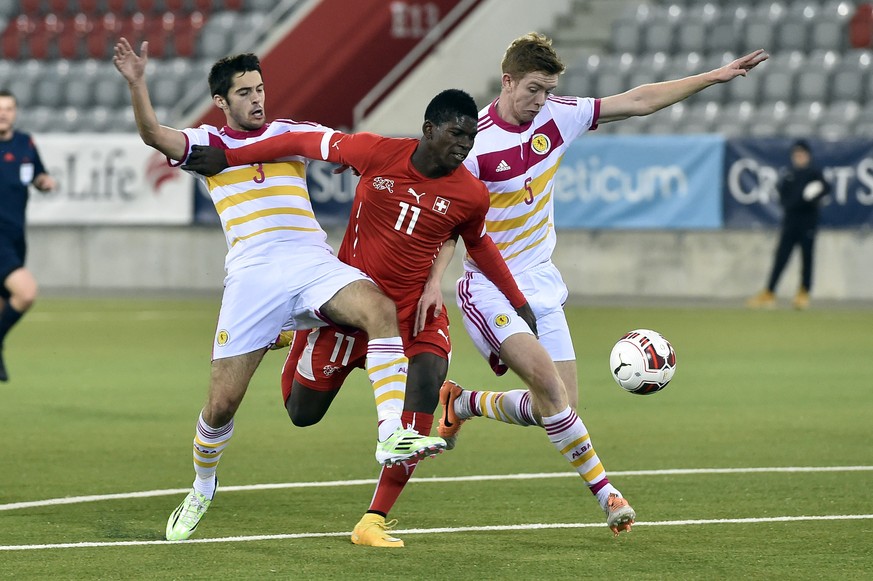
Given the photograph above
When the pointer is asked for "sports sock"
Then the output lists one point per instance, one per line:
(511, 407)
(208, 445)
(387, 367)
(393, 479)
(570, 436)
(8, 317)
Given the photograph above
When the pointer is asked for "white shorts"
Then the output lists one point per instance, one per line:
(263, 298)
(490, 319)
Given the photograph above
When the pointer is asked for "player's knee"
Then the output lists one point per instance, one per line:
(302, 415)
(219, 413)
(303, 418)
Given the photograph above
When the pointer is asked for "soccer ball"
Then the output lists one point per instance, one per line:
(642, 362)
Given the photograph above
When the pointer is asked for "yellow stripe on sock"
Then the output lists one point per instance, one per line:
(574, 443)
(203, 464)
(377, 368)
(584, 458)
(506, 416)
(220, 444)
(593, 473)
(398, 378)
(388, 395)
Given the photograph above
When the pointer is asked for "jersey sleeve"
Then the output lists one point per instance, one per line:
(196, 136)
(38, 167)
(347, 149)
(485, 253)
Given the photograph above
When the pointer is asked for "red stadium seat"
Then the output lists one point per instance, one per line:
(12, 40)
(147, 7)
(861, 27)
(38, 43)
(175, 6)
(157, 37)
(89, 7)
(133, 29)
(205, 6)
(233, 5)
(59, 7)
(71, 42)
(102, 37)
(186, 31)
(31, 7)
(117, 7)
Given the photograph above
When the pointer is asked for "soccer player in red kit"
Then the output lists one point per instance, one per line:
(413, 197)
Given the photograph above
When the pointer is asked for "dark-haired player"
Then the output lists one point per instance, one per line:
(414, 196)
(281, 273)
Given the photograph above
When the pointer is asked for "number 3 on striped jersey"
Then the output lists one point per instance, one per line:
(404, 209)
(528, 199)
(259, 177)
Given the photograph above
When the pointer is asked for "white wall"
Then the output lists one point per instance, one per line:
(726, 264)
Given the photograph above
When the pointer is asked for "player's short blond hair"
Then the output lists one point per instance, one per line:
(532, 52)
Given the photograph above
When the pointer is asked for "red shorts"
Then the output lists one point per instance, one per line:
(324, 357)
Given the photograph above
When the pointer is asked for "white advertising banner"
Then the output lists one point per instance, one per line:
(106, 178)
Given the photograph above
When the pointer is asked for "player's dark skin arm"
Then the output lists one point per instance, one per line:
(206, 160)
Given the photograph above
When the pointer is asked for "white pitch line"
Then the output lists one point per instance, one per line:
(428, 480)
(442, 530)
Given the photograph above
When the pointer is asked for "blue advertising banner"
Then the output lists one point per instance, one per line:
(331, 196)
(649, 181)
(752, 169)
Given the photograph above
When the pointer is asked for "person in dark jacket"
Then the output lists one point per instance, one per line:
(20, 167)
(801, 189)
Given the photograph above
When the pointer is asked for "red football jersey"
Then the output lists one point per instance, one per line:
(400, 218)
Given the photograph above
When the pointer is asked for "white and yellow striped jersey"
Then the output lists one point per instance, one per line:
(517, 163)
(264, 208)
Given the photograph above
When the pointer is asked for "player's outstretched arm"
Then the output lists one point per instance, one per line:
(432, 295)
(311, 144)
(646, 99)
(167, 140)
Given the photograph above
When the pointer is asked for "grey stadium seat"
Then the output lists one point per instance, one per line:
(165, 90)
(745, 88)
(793, 35)
(834, 132)
(847, 84)
(610, 83)
(845, 112)
(723, 37)
(658, 36)
(95, 120)
(758, 35)
(625, 36)
(707, 12)
(829, 35)
(691, 36)
(812, 85)
(50, 91)
(577, 83)
(778, 85)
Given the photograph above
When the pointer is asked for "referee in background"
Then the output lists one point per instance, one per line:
(20, 166)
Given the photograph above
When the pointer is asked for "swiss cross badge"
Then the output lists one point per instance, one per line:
(441, 205)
